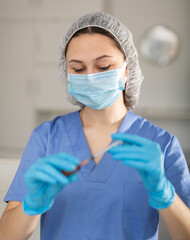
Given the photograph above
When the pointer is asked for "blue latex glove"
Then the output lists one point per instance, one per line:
(44, 181)
(146, 156)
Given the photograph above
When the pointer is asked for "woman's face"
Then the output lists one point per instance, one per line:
(92, 53)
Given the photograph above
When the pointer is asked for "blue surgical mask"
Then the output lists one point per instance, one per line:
(97, 90)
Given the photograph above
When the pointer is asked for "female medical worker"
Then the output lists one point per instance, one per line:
(118, 195)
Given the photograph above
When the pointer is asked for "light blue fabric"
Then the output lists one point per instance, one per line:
(97, 90)
(147, 157)
(109, 200)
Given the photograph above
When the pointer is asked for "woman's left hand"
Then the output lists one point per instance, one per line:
(147, 157)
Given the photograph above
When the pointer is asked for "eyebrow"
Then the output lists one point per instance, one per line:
(98, 58)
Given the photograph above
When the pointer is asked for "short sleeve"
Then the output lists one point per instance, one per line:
(177, 171)
(35, 149)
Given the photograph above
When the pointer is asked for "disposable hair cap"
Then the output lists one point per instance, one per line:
(124, 37)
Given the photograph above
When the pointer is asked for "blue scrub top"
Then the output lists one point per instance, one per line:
(109, 200)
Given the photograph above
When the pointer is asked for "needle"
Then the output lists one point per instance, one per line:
(115, 143)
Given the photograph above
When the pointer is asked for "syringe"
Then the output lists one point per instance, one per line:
(115, 143)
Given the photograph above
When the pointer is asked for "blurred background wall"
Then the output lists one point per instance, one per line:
(30, 33)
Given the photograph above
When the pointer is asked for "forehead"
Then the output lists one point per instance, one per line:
(95, 44)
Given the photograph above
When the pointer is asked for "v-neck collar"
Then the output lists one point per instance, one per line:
(93, 172)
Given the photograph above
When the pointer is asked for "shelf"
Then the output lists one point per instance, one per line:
(164, 114)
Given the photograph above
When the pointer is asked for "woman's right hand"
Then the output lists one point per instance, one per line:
(44, 180)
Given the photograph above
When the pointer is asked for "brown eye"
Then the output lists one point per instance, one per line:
(104, 68)
(78, 69)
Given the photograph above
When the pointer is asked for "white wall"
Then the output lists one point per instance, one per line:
(30, 33)
(165, 93)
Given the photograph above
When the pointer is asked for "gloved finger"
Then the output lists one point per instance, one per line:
(73, 178)
(69, 158)
(138, 165)
(136, 156)
(131, 139)
(59, 162)
(56, 174)
(32, 177)
(126, 148)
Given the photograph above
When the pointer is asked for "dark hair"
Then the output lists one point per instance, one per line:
(93, 30)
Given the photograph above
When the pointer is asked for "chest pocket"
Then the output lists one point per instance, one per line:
(140, 221)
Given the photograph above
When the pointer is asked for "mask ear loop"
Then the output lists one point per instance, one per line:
(123, 68)
(122, 71)
(125, 83)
